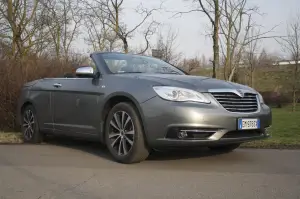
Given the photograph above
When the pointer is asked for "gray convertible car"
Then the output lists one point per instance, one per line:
(134, 104)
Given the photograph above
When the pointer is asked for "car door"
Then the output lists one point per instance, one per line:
(77, 103)
(42, 97)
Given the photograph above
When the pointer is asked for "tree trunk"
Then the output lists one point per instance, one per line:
(252, 79)
(232, 74)
(125, 45)
(216, 47)
(295, 86)
(294, 100)
(228, 51)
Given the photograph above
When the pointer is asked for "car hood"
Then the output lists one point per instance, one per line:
(200, 83)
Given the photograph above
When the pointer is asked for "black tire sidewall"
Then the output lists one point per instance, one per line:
(37, 136)
(138, 136)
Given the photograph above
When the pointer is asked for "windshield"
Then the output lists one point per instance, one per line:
(125, 63)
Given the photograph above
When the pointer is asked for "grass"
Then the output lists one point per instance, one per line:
(276, 77)
(10, 137)
(285, 132)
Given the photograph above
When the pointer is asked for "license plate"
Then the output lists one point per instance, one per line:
(244, 124)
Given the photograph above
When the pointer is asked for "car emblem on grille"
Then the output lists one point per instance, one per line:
(240, 93)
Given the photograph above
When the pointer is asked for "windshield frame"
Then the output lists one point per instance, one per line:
(100, 57)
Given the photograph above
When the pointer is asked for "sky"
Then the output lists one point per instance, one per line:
(192, 28)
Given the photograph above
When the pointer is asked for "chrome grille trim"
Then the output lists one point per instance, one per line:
(232, 101)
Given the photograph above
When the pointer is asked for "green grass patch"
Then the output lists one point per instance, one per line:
(285, 131)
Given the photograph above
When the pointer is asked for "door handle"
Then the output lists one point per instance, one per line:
(57, 85)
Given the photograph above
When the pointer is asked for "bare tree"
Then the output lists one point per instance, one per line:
(42, 33)
(265, 59)
(204, 63)
(231, 26)
(191, 64)
(147, 33)
(16, 28)
(291, 44)
(63, 18)
(251, 56)
(166, 44)
(99, 34)
(237, 33)
(113, 9)
(211, 8)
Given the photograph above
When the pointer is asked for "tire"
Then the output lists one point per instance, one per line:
(29, 127)
(225, 148)
(125, 138)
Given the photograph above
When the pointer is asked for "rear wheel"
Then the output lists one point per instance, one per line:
(124, 134)
(225, 148)
(30, 129)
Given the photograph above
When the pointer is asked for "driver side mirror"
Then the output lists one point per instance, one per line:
(85, 71)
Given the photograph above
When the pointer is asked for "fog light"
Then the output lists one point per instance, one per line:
(182, 134)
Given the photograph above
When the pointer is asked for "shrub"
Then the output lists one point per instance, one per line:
(13, 74)
(277, 99)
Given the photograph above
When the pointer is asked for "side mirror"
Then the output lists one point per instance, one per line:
(85, 71)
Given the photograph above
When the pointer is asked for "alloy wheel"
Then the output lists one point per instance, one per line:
(121, 133)
(28, 124)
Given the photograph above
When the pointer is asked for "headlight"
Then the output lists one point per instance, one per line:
(180, 94)
(260, 98)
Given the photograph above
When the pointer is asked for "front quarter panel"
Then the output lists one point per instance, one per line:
(134, 88)
(139, 91)
(38, 93)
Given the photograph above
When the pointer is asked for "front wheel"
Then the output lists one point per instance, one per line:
(225, 148)
(124, 135)
(30, 129)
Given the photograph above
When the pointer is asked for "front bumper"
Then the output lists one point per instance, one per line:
(209, 124)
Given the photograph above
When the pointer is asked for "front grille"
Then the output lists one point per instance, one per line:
(234, 103)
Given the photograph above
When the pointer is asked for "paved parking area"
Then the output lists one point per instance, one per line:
(79, 169)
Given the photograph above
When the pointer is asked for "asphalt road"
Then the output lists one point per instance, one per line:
(84, 170)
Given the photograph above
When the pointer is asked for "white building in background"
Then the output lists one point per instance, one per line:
(285, 62)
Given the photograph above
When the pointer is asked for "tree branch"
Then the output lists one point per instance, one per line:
(206, 12)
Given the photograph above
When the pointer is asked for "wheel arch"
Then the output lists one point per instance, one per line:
(114, 99)
(26, 103)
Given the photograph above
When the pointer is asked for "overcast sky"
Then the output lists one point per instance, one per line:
(193, 27)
